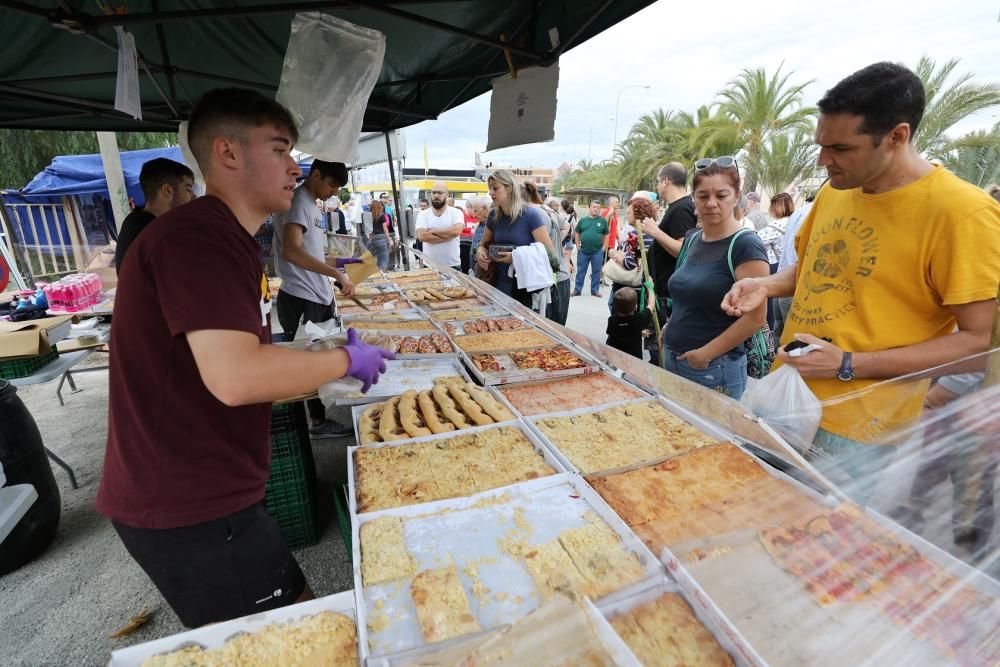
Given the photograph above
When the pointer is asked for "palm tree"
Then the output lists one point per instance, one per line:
(978, 160)
(712, 135)
(667, 136)
(763, 107)
(948, 104)
(785, 159)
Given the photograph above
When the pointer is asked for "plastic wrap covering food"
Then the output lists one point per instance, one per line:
(560, 632)
(895, 563)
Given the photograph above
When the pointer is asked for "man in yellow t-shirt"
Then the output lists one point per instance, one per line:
(899, 262)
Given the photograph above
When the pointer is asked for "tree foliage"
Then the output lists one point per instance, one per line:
(764, 108)
(24, 153)
(760, 118)
(978, 159)
(947, 105)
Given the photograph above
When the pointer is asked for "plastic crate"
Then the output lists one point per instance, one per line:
(288, 499)
(289, 418)
(290, 491)
(21, 368)
(343, 516)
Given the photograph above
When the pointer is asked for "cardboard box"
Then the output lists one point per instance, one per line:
(108, 275)
(33, 337)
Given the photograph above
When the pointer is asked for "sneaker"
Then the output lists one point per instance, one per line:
(597, 294)
(575, 294)
(330, 429)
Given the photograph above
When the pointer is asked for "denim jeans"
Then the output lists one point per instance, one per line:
(379, 247)
(724, 374)
(852, 465)
(595, 261)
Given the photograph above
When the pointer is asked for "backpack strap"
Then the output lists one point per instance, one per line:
(685, 244)
(729, 253)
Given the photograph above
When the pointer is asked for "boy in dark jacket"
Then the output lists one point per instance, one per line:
(626, 327)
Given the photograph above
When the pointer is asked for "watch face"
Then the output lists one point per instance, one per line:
(846, 376)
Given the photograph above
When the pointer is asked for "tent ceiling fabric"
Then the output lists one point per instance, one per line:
(59, 56)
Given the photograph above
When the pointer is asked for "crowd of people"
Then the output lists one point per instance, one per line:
(891, 268)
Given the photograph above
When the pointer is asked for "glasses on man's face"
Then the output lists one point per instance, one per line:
(438, 192)
(724, 162)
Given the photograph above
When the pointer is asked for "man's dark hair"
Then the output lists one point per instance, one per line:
(884, 94)
(232, 113)
(675, 171)
(423, 200)
(156, 173)
(625, 300)
(335, 170)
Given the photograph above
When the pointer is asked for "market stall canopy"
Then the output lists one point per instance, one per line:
(59, 64)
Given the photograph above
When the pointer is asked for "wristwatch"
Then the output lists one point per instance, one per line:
(846, 372)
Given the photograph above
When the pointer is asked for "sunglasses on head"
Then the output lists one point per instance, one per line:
(724, 162)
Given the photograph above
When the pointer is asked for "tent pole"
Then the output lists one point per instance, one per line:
(112, 160)
(395, 198)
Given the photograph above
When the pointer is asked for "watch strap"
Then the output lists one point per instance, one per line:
(846, 372)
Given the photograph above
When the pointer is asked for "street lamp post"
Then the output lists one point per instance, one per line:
(590, 139)
(618, 104)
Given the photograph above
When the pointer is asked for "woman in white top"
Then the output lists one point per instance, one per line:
(773, 236)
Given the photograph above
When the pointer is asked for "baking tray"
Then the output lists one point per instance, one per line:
(416, 334)
(454, 651)
(459, 331)
(707, 428)
(404, 374)
(728, 637)
(405, 314)
(859, 627)
(212, 636)
(466, 531)
(490, 310)
(356, 411)
(466, 302)
(515, 374)
(642, 393)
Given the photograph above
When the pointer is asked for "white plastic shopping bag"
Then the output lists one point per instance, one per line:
(330, 69)
(785, 402)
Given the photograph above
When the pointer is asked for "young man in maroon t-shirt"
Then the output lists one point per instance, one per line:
(192, 379)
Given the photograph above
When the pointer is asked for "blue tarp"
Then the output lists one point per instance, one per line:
(84, 175)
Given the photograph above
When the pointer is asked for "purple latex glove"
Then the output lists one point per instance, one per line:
(367, 361)
(341, 262)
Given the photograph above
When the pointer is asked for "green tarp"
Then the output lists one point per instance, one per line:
(57, 69)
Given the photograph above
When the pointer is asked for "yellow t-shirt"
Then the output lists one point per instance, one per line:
(877, 271)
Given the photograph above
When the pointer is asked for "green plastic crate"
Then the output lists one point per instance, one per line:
(290, 491)
(21, 368)
(343, 516)
(288, 500)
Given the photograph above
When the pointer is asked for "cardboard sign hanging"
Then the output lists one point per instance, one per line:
(523, 110)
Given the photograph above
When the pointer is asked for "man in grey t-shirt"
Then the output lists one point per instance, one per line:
(300, 261)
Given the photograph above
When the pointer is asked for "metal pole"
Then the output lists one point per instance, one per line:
(395, 198)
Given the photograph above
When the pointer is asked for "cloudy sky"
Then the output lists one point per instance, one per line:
(686, 51)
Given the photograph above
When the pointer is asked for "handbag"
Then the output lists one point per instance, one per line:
(760, 347)
(617, 273)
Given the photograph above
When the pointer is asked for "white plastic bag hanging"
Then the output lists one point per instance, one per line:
(330, 69)
(785, 402)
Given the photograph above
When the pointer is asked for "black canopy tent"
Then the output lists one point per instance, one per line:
(59, 57)
(58, 67)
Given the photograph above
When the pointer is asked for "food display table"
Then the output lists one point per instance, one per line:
(500, 479)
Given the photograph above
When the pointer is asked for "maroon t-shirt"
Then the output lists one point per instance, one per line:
(176, 455)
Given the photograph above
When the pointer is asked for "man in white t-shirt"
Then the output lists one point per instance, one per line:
(439, 227)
